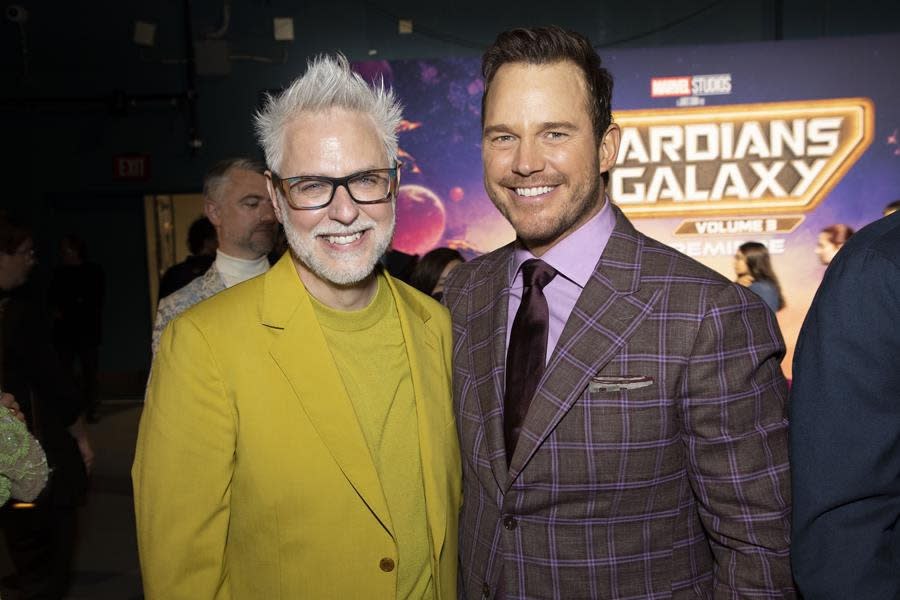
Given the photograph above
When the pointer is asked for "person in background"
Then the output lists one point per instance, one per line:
(845, 425)
(23, 464)
(202, 243)
(237, 204)
(40, 540)
(753, 268)
(76, 298)
(432, 270)
(830, 241)
(399, 264)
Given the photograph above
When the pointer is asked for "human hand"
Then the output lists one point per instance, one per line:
(9, 401)
(87, 453)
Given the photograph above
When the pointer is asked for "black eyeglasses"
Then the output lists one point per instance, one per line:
(309, 192)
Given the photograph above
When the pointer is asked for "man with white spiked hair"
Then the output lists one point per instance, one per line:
(298, 439)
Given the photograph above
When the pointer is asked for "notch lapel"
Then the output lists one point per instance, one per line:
(487, 315)
(302, 354)
(607, 312)
(431, 388)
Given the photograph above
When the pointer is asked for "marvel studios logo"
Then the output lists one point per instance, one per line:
(690, 85)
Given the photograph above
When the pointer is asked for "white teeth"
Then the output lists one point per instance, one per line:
(535, 191)
(344, 239)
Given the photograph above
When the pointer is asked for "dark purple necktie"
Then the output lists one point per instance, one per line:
(527, 351)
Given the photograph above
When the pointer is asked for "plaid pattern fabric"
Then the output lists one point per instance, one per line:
(679, 489)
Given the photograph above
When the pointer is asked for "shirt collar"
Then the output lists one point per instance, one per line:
(576, 256)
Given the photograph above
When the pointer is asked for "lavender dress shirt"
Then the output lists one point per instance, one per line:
(574, 258)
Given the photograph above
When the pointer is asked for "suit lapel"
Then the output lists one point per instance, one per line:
(487, 315)
(607, 312)
(303, 356)
(433, 405)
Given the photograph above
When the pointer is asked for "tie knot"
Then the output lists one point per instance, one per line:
(537, 272)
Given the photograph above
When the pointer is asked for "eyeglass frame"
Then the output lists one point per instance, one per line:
(278, 182)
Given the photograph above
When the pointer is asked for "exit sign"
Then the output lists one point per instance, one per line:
(134, 167)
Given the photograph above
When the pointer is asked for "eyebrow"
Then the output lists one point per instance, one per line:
(370, 167)
(497, 129)
(503, 128)
(558, 125)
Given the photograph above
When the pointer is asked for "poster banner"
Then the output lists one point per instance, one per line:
(767, 142)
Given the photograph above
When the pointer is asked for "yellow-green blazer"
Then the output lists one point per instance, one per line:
(252, 477)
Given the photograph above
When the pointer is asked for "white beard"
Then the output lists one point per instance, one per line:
(345, 268)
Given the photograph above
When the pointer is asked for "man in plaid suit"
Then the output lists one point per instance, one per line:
(644, 454)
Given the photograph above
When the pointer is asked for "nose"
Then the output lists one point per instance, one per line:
(266, 212)
(342, 208)
(528, 158)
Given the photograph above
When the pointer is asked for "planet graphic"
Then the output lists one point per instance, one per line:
(421, 219)
(457, 194)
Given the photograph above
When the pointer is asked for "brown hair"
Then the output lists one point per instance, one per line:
(543, 45)
(838, 234)
(759, 265)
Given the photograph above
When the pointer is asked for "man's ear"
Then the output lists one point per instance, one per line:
(270, 187)
(609, 147)
(211, 208)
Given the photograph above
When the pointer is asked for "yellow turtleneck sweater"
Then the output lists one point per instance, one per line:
(368, 348)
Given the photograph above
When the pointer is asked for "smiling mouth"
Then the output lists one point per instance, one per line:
(343, 239)
(530, 192)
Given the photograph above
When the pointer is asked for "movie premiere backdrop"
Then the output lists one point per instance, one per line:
(768, 142)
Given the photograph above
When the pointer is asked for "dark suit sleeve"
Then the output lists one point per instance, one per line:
(736, 441)
(845, 434)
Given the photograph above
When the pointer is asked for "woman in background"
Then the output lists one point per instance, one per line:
(432, 269)
(40, 540)
(754, 270)
(830, 241)
(23, 465)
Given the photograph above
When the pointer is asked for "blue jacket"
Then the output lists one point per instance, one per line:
(845, 425)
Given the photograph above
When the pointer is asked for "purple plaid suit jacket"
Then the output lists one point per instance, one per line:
(679, 489)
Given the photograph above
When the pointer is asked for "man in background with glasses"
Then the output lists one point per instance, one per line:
(298, 439)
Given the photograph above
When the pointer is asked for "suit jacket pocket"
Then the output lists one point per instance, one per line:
(638, 426)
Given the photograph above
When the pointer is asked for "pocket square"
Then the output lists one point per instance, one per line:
(614, 384)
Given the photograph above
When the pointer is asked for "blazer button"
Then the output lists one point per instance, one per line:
(386, 564)
(485, 590)
(510, 523)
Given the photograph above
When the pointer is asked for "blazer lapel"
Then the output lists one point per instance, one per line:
(487, 315)
(302, 354)
(431, 387)
(610, 308)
